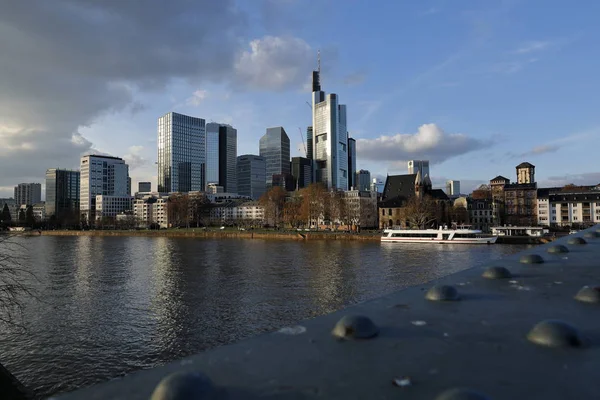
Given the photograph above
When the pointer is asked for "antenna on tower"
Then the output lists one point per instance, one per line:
(319, 61)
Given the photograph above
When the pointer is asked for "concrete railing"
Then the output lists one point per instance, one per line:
(528, 328)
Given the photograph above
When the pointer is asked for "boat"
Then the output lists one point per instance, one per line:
(462, 235)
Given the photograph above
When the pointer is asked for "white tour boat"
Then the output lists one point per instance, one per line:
(442, 235)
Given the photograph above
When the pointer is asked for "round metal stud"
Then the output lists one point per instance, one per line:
(461, 394)
(355, 327)
(592, 235)
(589, 294)
(559, 248)
(576, 240)
(553, 333)
(531, 259)
(442, 293)
(185, 385)
(497, 273)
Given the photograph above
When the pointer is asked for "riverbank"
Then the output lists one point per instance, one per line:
(261, 234)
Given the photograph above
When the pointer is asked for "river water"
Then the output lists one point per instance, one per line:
(107, 306)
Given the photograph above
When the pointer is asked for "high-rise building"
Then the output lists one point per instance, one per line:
(363, 180)
(452, 188)
(251, 172)
(330, 138)
(212, 153)
(228, 158)
(274, 146)
(28, 194)
(352, 183)
(62, 193)
(415, 166)
(181, 153)
(302, 171)
(101, 176)
(309, 143)
(144, 187)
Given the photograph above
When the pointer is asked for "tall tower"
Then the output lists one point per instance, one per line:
(274, 146)
(418, 165)
(330, 136)
(228, 158)
(181, 153)
(525, 173)
(101, 176)
(352, 164)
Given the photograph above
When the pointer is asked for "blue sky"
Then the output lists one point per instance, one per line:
(475, 86)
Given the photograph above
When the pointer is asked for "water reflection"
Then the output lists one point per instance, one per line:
(114, 305)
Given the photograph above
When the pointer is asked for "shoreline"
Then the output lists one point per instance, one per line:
(217, 234)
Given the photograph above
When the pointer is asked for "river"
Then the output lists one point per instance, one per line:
(107, 306)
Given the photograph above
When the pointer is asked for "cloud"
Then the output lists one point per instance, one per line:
(542, 149)
(197, 97)
(355, 78)
(430, 143)
(274, 63)
(134, 157)
(585, 178)
(512, 66)
(533, 46)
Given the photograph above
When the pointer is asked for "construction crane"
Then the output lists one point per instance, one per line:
(303, 142)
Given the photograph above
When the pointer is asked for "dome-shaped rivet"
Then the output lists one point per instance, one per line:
(592, 235)
(497, 273)
(461, 394)
(355, 327)
(589, 294)
(185, 385)
(531, 259)
(576, 240)
(553, 333)
(559, 248)
(442, 293)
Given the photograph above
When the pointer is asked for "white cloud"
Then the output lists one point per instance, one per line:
(197, 97)
(274, 63)
(134, 157)
(429, 142)
(585, 178)
(512, 66)
(532, 46)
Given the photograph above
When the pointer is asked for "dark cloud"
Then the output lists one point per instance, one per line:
(586, 178)
(429, 143)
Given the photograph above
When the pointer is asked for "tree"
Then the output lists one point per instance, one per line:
(29, 218)
(420, 212)
(178, 210)
(292, 211)
(273, 202)
(199, 208)
(21, 216)
(313, 204)
(5, 217)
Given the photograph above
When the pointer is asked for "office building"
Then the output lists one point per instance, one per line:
(28, 193)
(62, 194)
(363, 180)
(251, 176)
(150, 210)
(285, 181)
(101, 175)
(302, 171)
(309, 143)
(110, 206)
(274, 146)
(212, 153)
(330, 138)
(415, 166)
(453, 188)
(181, 153)
(352, 184)
(228, 158)
(144, 187)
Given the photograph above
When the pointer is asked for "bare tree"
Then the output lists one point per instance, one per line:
(199, 208)
(313, 204)
(273, 202)
(178, 209)
(420, 212)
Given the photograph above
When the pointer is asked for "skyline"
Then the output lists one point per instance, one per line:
(474, 88)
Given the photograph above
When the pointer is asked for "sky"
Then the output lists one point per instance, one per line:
(476, 87)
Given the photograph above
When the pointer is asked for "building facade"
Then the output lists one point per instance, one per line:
(62, 193)
(251, 176)
(302, 171)
(28, 193)
(330, 138)
(421, 166)
(228, 158)
(212, 153)
(453, 188)
(181, 153)
(151, 209)
(363, 180)
(144, 187)
(481, 213)
(362, 208)
(569, 206)
(352, 183)
(274, 147)
(101, 175)
(110, 206)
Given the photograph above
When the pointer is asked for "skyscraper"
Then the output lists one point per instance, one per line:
(251, 172)
(181, 153)
(212, 153)
(144, 187)
(330, 138)
(363, 180)
(352, 164)
(62, 193)
(28, 194)
(453, 188)
(228, 158)
(415, 166)
(101, 176)
(274, 146)
(302, 171)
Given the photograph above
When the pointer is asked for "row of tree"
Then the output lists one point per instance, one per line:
(25, 217)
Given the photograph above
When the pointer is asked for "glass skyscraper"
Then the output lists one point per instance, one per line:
(352, 164)
(228, 158)
(212, 153)
(62, 193)
(251, 171)
(101, 175)
(181, 153)
(275, 148)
